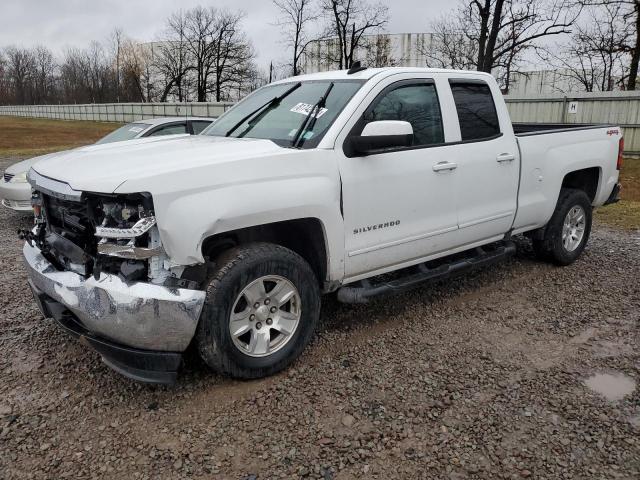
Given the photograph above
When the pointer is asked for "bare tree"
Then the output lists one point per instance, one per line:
(631, 10)
(73, 77)
(232, 53)
(217, 51)
(43, 77)
(596, 57)
(172, 58)
(20, 68)
(348, 22)
(199, 30)
(297, 15)
(498, 32)
(634, 48)
(100, 72)
(450, 46)
(5, 88)
(86, 76)
(117, 38)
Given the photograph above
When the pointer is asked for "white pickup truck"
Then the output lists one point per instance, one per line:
(315, 184)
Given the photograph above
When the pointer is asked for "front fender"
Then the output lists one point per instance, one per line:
(187, 220)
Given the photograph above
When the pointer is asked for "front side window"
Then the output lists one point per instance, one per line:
(281, 121)
(413, 103)
(476, 110)
(126, 132)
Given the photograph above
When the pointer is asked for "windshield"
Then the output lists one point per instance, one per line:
(126, 132)
(281, 121)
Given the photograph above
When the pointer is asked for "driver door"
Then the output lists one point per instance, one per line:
(399, 205)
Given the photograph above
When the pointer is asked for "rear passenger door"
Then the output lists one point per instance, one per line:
(488, 162)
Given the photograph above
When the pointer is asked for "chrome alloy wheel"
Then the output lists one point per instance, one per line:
(265, 316)
(573, 228)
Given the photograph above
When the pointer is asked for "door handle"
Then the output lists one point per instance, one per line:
(505, 157)
(439, 167)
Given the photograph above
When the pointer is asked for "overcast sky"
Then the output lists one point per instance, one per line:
(63, 23)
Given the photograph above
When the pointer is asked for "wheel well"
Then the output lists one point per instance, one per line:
(305, 236)
(585, 180)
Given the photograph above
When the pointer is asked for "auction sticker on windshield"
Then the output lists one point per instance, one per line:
(136, 129)
(305, 109)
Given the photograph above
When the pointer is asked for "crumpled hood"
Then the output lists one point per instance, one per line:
(102, 168)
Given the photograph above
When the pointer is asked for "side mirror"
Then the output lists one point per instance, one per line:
(381, 135)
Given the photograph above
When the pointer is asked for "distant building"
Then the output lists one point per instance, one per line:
(543, 82)
(377, 50)
(548, 82)
(414, 50)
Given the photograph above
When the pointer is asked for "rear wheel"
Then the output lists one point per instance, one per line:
(261, 309)
(568, 231)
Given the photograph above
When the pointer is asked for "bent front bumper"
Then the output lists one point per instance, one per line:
(134, 316)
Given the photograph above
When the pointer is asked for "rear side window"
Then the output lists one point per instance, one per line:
(413, 103)
(476, 110)
(199, 125)
(173, 129)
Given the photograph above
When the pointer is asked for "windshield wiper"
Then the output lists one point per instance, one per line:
(274, 101)
(311, 119)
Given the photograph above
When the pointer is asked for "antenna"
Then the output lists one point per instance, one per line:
(355, 67)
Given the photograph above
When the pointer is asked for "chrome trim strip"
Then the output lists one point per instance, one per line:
(141, 226)
(130, 252)
(486, 219)
(52, 187)
(137, 314)
(401, 241)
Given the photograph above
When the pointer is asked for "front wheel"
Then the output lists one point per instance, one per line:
(568, 231)
(262, 306)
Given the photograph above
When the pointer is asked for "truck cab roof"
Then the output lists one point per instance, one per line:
(369, 73)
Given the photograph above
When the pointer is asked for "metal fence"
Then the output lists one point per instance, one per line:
(117, 112)
(620, 108)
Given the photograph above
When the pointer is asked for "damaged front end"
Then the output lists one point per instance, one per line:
(96, 264)
(115, 234)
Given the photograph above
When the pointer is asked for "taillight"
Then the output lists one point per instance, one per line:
(620, 153)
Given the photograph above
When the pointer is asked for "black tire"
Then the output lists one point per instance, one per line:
(550, 247)
(235, 269)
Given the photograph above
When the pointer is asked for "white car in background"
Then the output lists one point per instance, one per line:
(15, 191)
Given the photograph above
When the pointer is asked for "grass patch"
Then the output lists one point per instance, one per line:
(626, 213)
(29, 137)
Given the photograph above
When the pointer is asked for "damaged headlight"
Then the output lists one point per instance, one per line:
(128, 240)
(141, 227)
(127, 227)
(121, 211)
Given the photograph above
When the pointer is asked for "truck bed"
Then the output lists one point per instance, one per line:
(527, 129)
(545, 161)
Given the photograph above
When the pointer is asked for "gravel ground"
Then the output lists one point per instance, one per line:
(478, 377)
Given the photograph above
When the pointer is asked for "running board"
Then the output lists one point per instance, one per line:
(364, 290)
